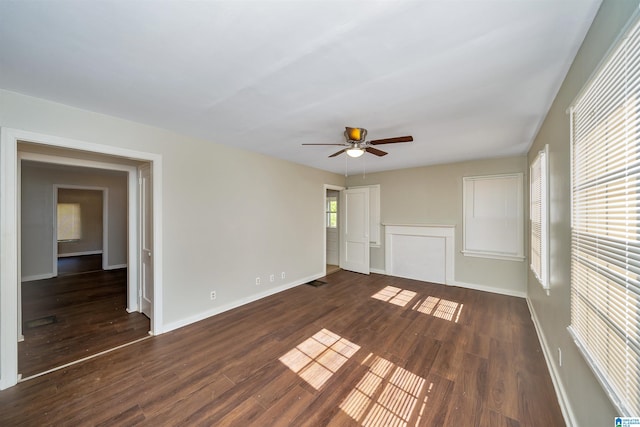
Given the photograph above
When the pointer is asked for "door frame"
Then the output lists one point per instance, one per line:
(10, 275)
(105, 221)
(141, 238)
(324, 221)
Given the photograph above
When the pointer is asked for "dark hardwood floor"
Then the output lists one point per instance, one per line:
(74, 316)
(372, 351)
(79, 264)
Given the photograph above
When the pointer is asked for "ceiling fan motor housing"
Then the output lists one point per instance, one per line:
(355, 134)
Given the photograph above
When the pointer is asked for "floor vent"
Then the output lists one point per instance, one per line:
(48, 320)
(316, 283)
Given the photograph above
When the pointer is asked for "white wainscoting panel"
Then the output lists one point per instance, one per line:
(420, 252)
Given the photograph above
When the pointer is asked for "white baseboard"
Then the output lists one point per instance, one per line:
(51, 275)
(484, 288)
(37, 277)
(501, 291)
(98, 252)
(563, 399)
(234, 304)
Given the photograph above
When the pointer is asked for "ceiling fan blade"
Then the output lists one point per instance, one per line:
(407, 138)
(375, 151)
(338, 153)
(323, 144)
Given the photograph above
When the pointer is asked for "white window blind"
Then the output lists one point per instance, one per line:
(538, 202)
(605, 229)
(69, 222)
(493, 216)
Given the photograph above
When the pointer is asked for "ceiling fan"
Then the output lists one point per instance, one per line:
(356, 144)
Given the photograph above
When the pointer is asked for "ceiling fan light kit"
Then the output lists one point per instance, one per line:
(355, 152)
(356, 144)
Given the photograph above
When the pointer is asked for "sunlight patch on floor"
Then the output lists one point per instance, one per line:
(386, 396)
(317, 358)
(436, 307)
(394, 295)
(441, 308)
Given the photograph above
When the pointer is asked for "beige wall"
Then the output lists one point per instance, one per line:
(433, 195)
(229, 215)
(588, 403)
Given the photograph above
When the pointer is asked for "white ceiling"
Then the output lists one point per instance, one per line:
(468, 79)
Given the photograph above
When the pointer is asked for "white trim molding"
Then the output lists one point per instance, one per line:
(70, 254)
(9, 264)
(493, 290)
(35, 277)
(10, 239)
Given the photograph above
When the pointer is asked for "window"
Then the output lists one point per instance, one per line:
(538, 214)
(605, 223)
(69, 223)
(493, 217)
(332, 212)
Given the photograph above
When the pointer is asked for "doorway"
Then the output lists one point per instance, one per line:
(331, 227)
(332, 198)
(80, 308)
(75, 153)
(81, 221)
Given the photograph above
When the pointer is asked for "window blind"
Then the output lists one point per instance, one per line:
(538, 218)
(69, 222)
(605, 229)
(493, 216)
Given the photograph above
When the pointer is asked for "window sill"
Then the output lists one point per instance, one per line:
(492, 255)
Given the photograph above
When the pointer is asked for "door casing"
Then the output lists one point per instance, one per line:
(10, 231)
(145, 196)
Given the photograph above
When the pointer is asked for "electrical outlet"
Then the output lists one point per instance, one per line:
(559, 357)
(213, 295)
(282, 276)
(272, 277)
(257, 280)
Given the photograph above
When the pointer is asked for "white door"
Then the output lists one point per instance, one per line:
(146, 241)
(354, 230)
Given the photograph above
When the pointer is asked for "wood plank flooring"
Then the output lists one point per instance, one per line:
(79, 264)
(361, 350)
(330, 268)
(87, 315)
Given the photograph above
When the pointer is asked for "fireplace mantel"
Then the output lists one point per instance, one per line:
(420, 251)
